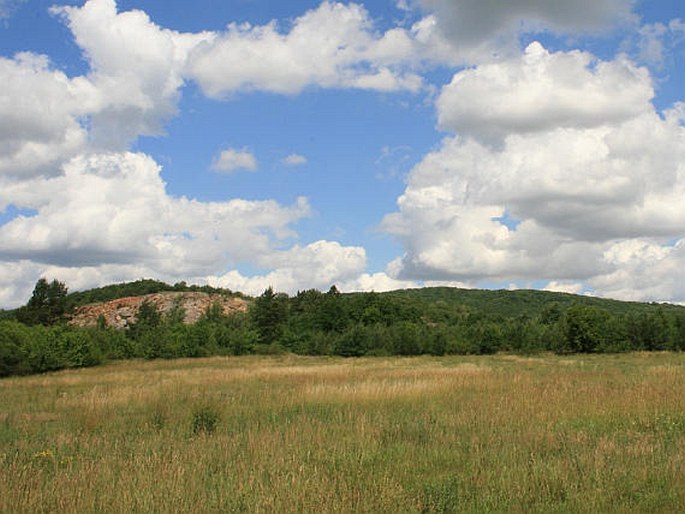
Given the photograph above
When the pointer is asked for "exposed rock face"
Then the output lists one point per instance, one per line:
(122, 313)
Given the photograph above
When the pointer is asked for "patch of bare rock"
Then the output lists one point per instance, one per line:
(123, 312)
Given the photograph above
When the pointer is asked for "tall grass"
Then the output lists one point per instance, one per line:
(295, 434)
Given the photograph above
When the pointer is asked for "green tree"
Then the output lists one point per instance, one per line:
(270, 312)
(332, 312)
(149, 332)
(176, 315)
(15, 339)
(214, 313)
(47, 304)
(148, 316)
(353, 342)
(584, 329)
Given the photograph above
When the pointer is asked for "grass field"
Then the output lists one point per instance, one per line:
(296, 434)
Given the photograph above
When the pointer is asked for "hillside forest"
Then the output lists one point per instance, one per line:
(37, 337)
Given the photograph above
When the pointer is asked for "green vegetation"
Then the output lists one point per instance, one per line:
(137, 288)
(433, 321)
(47, 305)
(503, 433)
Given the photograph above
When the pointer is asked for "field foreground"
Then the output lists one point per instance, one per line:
(298, 434)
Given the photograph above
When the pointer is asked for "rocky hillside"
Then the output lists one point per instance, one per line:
(122, 312)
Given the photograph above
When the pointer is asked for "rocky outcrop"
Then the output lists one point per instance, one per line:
(121, 313)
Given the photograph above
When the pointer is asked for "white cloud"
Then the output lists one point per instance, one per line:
(540, 91)
(39, 115)
(564, 287)
(113, 209)
(377, 282)
(108, 218)
(294, 159)
(332, 46)
(644, 270)
(656, 40)
(136, 68)
(132, 89)
(317, 265)
(230, 160)
(576, 186)
(18, 278)
(651, 43)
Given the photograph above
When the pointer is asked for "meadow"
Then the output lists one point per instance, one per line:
(501, 433)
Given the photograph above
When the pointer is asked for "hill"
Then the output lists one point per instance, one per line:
(84, 307)
(521, 302)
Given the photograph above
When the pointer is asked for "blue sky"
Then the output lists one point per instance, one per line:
(374, 145)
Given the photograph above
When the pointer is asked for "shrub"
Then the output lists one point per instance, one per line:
(15, 339)
(205, 419)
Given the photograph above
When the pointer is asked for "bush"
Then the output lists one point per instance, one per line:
(15, 339)
(80, 349)
(45, 351)
(205, 419)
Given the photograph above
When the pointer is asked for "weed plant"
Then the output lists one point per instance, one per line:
(205, 419)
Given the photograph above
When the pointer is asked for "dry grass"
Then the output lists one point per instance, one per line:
(296, 434)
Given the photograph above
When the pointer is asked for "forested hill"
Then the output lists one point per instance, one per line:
(520, 302)
(435, 321)
(492, 303)
(500, 304)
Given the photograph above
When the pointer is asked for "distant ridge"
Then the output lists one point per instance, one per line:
(512, 303)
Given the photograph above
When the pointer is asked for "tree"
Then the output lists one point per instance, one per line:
(584, 329)
(47, 304)
(270, 312)
(332, 315)
(15, 339)
(148, 318)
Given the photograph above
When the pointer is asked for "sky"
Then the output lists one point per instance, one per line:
(375, 146)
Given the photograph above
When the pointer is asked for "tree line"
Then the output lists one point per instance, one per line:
(36, 338)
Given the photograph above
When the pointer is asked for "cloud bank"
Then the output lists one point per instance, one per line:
(561, 170)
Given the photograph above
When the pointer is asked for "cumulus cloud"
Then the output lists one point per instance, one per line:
(113, 208)
(136, 68)
(18, 278)
(294, 159)
(332, 46)
(108, 217)
(377, 282)
(644, 271)
(40, 112)
(577, 186)
(317, 265)
(540, 91)
(132, 89)
(231, 160)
